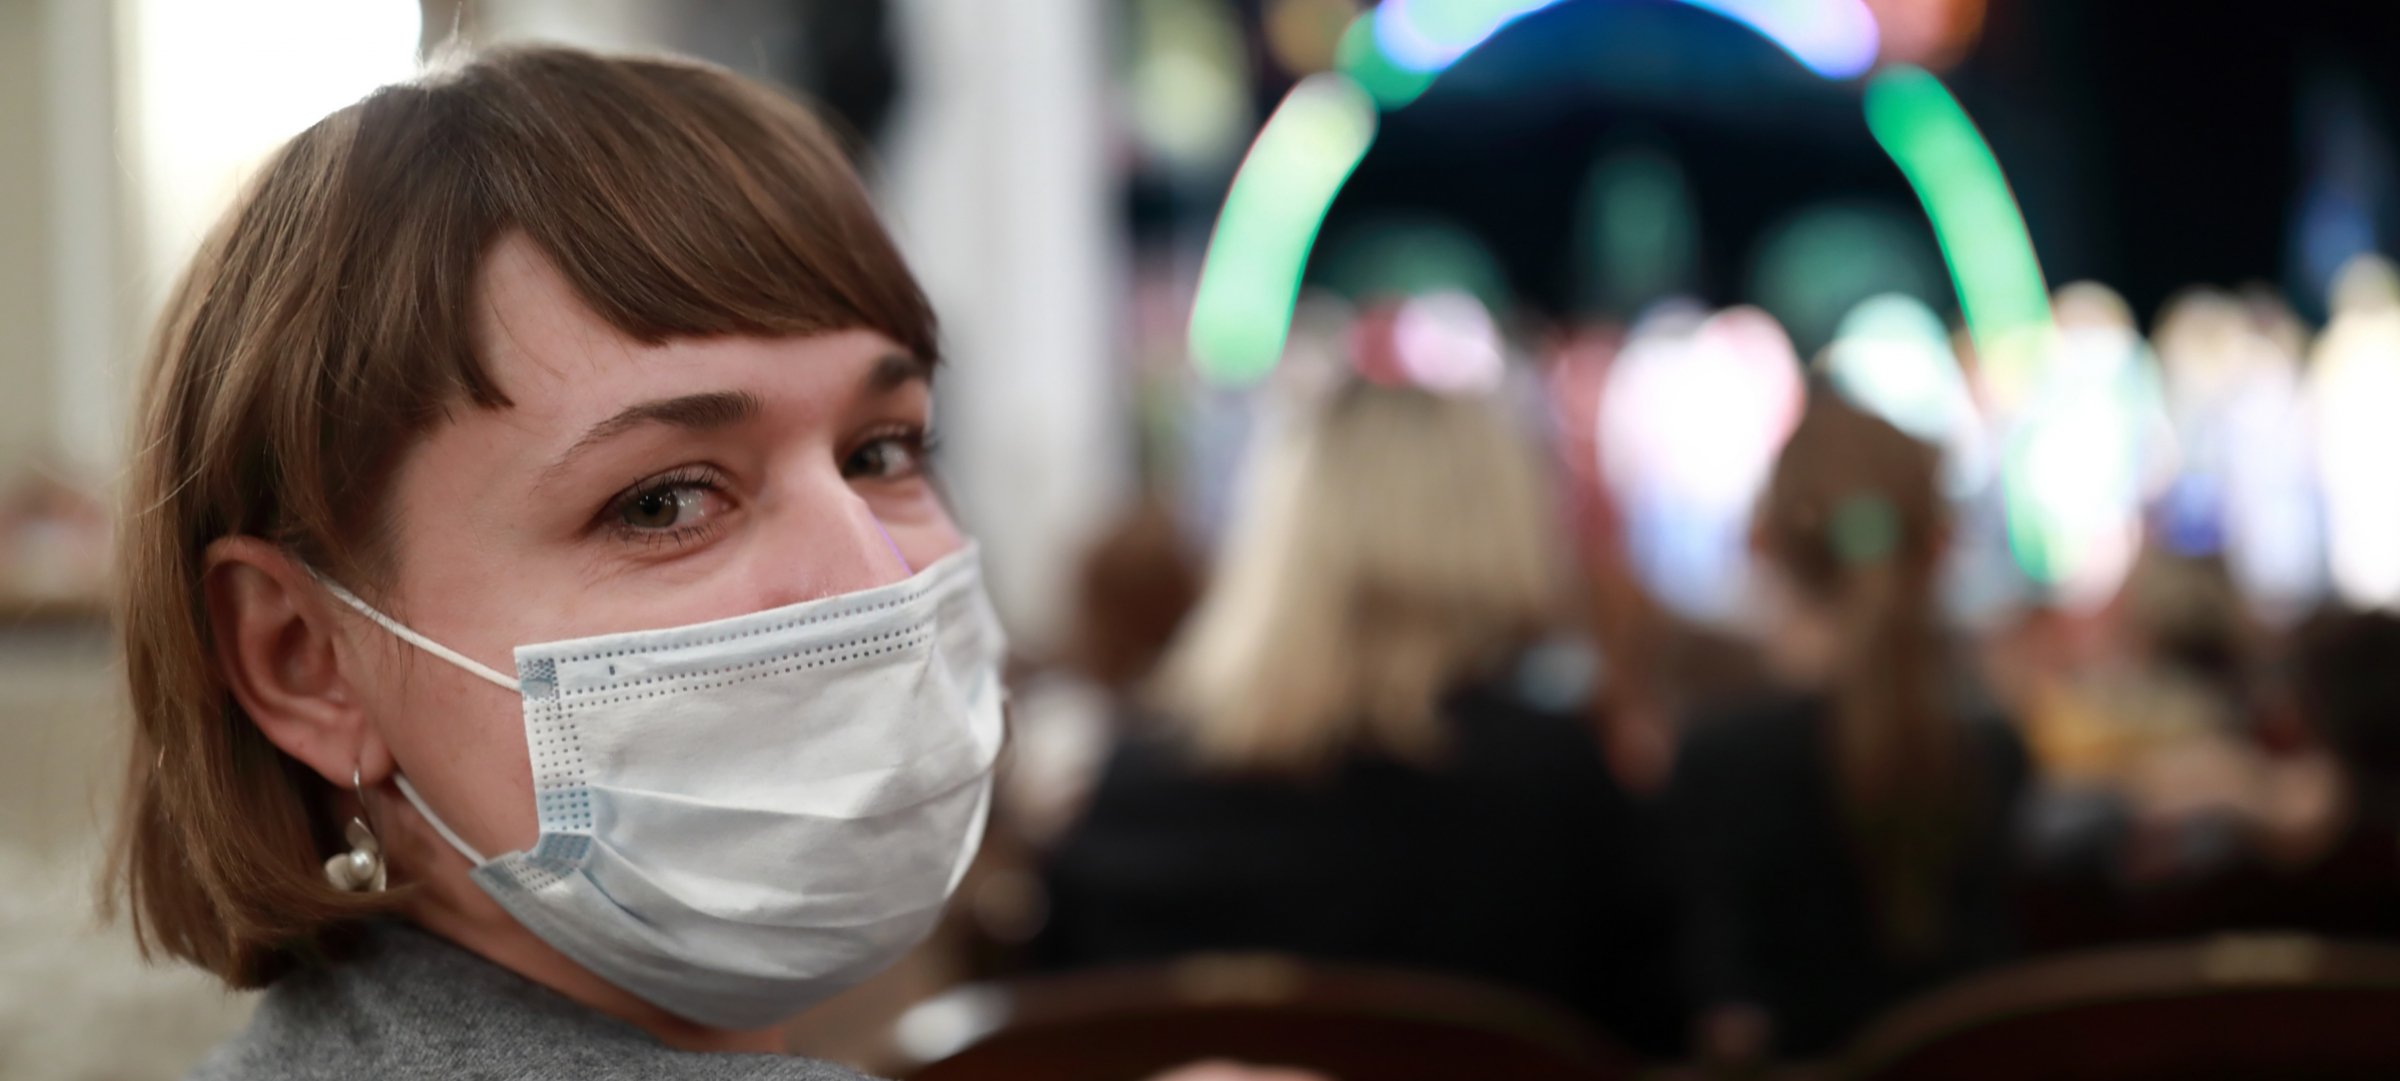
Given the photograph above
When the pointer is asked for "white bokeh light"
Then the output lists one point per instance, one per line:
(218, 86)
(1690, 423)
(1892, 357)
(2355, 392)
(1447, 342)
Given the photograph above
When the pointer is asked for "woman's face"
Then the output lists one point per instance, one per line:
(630, 487)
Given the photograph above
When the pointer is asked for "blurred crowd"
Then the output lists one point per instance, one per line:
(1732, 698)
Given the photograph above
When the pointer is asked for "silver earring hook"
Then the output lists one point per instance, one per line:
(360, 790)
(362, 867)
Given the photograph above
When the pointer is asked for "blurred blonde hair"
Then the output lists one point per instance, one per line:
(1395, 544)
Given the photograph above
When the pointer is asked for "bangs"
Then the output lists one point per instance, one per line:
(676, 199)
(681, 202)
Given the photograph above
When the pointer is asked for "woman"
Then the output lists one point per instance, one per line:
(1846, 844)
(2316, 833)
(1357, 758)
(548, 657)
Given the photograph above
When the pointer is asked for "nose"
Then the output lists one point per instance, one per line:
(822, 543)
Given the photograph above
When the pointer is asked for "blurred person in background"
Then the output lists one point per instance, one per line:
(2338, 862)
(1846, 843)
(1352, 759)
(2163, 666)
(2175, 730)
(2320, 827)
(1133, 586)
(2150, 733)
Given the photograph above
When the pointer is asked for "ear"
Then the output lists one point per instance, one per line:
(284, 655)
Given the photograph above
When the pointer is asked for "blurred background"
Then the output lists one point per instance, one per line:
(2121, 266)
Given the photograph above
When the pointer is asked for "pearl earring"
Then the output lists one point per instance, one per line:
(361, 868)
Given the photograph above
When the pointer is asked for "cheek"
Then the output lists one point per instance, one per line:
(923, 531)
(461, 742)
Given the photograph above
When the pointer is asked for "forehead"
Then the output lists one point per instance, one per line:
(527, 314)
(557, 359)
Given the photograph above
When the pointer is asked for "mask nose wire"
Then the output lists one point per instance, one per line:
(894, 545)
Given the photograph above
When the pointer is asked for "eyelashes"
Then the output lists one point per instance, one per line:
(683, 495)
(897, 452)
(686, 505)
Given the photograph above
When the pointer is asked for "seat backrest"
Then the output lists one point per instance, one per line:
(1356, 1024)
(2234, 1008)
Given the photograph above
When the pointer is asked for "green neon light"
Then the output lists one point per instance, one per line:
(2033, 541)
(1359, 57)
(1250, 277)
(1991, 257)
(1982, 233)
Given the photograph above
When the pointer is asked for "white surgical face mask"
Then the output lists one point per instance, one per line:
(743, 817)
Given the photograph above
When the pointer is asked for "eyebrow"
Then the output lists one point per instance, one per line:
(720, 409)
(705, 412)
(895, 370)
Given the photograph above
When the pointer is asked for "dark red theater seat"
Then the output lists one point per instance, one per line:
(1123, 1024)
(2238, 1008)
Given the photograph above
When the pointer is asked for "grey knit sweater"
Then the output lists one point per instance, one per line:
(408, 1006)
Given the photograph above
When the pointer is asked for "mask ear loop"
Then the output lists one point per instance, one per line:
(414, 800)
(473, 667)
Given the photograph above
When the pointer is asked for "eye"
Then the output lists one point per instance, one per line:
(675, 505)
(891, 455)
(659, 508)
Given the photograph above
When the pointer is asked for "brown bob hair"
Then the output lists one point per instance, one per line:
(1853, 516)
(327, 323)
